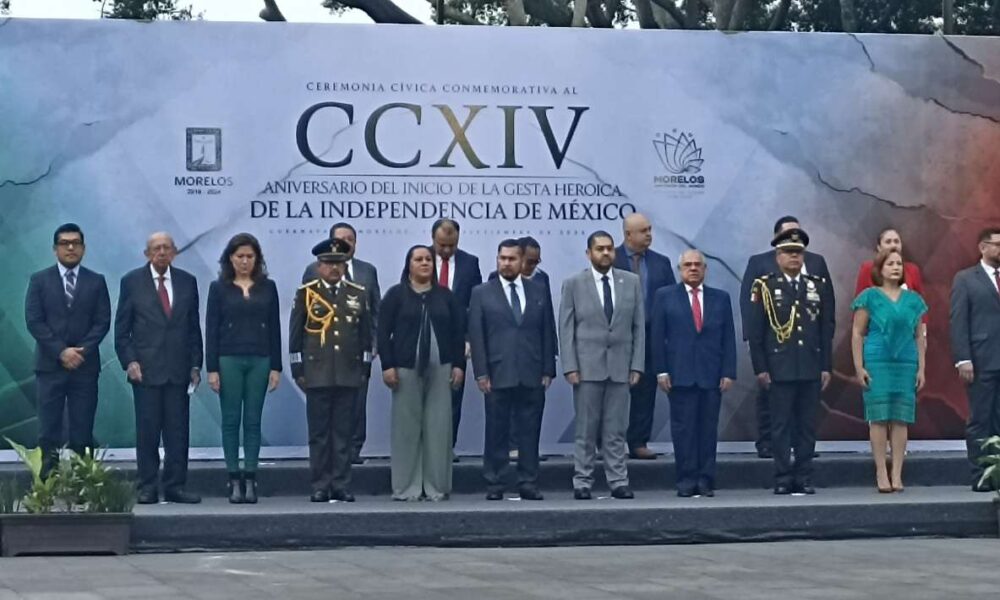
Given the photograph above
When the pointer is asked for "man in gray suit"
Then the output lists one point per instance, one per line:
(975, 346)
(602, 339)
(365, 274)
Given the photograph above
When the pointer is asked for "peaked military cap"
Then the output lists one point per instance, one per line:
(793, 239)
(333, 251)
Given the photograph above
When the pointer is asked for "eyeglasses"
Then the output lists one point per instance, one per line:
(69, 243)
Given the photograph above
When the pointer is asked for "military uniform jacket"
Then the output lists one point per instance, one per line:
(808, 349)
(330, 336)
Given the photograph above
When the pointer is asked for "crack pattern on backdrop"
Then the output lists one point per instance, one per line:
(48, 171)
(235, 213)
(967, 58)
(892, 204)
(928, 99)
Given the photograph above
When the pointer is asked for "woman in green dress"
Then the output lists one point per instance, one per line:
(889, 362)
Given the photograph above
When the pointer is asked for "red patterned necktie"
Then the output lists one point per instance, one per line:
(696, 309)
(443, 280)
(161, 290)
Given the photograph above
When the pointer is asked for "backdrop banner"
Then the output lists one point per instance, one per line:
(209, 129)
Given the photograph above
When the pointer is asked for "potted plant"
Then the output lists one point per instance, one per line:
(991, 475)
(80, 507)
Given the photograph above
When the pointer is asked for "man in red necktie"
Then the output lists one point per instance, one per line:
(694, 353)
(159, 344)
(459, 272)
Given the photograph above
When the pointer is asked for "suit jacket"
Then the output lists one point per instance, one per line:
(542, 277)
(508, 352)
(588, 343)
(693, 358)
(659, 272)
(765, 263)
(56, 327)
(467, 276)
(166, 348)
(975, 319)
(363, 273)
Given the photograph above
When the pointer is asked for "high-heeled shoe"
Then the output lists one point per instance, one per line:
(250, 488)
(235, 488)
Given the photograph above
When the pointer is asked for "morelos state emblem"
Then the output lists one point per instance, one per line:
(679, 154)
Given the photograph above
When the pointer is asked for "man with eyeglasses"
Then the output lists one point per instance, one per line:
(68, 312)
(791, 346)
(975, 347)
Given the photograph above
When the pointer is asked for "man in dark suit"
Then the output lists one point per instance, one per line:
(975, 346)
(68, 311)
(511, 328)
(459, 272)
(654, 272)
(694, 352)
(791, 346)
(365, 274)
(159, 344)
(758, 266)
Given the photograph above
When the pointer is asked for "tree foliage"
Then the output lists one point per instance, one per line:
(145, 10)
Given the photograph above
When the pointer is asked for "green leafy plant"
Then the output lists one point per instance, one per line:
(991, 460)
(79, 483)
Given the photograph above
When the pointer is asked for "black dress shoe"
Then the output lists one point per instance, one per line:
(581, 494)
(147, 497)
(494, 495)
(357, 460)
(685, 493)
(976, 487)
(320, 496)
(782, 490)
(181, 497)
(765, 453)
(530, 493)
(622, 492)
(804, 488)
(342, 496)
(706, 491)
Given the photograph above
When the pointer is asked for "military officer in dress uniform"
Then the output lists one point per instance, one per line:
(791, 343)
(329, 345)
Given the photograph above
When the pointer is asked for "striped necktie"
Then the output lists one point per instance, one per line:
(70, 287)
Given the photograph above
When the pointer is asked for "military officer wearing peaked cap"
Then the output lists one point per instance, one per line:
(329, 346)
(791, 338)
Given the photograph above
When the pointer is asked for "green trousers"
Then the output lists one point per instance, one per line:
(242, 387)
(421, 434)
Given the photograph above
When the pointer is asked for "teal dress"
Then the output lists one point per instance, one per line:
(890, 353)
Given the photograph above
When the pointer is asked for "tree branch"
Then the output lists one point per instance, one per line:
(723, 12)
(579, 13)
(597, 16)
(948, 12)
(549, 12)
(891, 9)
(671, 8)
(271, 12)
(380, 11)
(456, 16)
(739, 16)
(848, 18)
(691, 14)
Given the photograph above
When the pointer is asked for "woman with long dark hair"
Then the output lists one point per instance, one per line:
(243, 355)
(421, 340)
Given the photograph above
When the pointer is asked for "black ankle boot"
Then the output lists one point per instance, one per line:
(250, 495)
(235, 488)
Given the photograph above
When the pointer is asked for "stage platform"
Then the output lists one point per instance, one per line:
(937, 502)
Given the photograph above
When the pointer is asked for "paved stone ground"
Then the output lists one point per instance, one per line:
(906, 568)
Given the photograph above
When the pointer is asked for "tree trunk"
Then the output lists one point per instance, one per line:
(739, 16)
(691, 14)
(664, 20)
(671, 8)
(597, 16)
(550, 13)
(780, 14)
(723, 11)
(380, 11)
(271, 12)
(948, 12)
(644, 11)
(515, 13)
(848, 18)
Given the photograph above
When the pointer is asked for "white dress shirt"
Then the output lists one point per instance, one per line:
(701, 299)
(518, 289)
(989, 273)
(598, 277)
(349, 272)
(451, 271)
(63, 271)
(167, 283)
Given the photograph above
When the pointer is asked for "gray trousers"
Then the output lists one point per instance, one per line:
(421, 434)
(604, 405)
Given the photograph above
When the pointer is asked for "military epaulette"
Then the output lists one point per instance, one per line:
(354, 285)
(309, 283)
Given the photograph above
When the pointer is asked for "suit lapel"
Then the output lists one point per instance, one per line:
(500, 294)
(984, 280)
(619, 283)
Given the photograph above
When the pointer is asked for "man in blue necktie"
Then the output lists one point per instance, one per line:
(68, 312)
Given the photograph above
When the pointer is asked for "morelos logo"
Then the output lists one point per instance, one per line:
(204, 149)
(681, 157)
